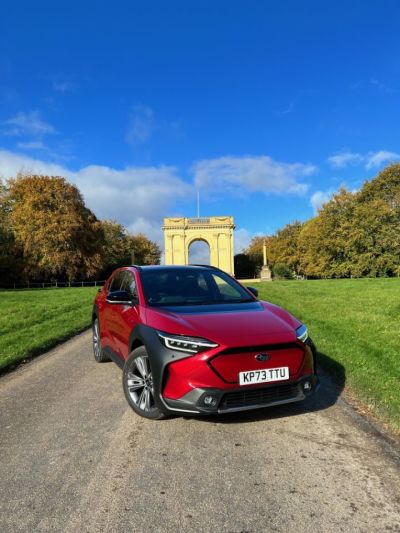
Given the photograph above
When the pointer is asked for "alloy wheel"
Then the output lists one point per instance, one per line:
(96, 339)
(140, 384)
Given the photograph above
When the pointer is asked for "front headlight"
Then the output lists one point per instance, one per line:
(302, 333)
(182, 343)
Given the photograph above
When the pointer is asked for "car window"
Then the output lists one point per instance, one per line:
(226, 290)
(179, 286)
(116, 282)
(129, 284)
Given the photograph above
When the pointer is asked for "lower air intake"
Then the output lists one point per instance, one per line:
(265, 396)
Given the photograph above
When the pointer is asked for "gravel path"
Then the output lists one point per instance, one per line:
(74, 457)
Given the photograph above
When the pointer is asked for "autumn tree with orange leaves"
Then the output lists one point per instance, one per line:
(354, 234)
(57, 233)
(46, 231)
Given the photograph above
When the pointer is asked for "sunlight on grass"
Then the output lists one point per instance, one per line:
(32, 321)
(357, 324)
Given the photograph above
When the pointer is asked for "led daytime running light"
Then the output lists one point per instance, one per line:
(186, 344)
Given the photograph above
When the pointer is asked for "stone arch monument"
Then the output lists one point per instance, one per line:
(217, 232)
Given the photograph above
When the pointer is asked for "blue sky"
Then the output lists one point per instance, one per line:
(266, 107)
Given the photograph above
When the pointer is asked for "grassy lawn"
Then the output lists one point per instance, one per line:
(356, 326)
(32, 321)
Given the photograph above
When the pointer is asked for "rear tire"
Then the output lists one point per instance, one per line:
(98, 351)
(137, 381)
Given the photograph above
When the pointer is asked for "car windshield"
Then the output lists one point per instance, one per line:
(191, 286)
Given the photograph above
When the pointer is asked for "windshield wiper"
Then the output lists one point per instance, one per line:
(239, 301)
(204, 302)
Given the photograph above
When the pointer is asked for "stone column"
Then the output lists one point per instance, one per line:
(265, 271)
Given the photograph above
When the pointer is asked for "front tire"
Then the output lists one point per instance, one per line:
(137, 381)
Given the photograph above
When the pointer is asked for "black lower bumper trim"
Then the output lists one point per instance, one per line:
(249, 398)
(244, 398)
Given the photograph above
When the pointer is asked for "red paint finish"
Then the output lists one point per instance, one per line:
(188, 374)
(228, 366)
(241, 332)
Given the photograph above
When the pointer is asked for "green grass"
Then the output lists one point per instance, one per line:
(356, 327)
(32, 321)
(355, 324)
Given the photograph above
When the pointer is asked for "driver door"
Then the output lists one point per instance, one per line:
(126, 316)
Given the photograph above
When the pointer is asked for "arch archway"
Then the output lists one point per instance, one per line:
(179, 233)
(199, 252)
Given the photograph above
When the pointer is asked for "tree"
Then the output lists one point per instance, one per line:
(283, 247)
(146, 252)
(117, 247)
(255, 250)
(282, 271)
(385, 186)
(10, 253)
(375, 240)
(324, 241)
(245, 267)
(58, 234)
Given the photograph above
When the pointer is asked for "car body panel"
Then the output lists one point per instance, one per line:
(228, 365)
(241, 331)
(227, 324)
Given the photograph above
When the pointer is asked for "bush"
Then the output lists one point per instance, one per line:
(282, 271)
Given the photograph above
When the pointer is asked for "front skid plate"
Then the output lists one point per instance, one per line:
(191, 402)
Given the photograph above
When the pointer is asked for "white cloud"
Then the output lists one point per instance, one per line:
(12, 162)
(242, 238)
(376, 159)
(369, 160)
(381, 86)
(345, 158)
(27, 124)
(63, 86)
(32, 145)
(319, 198)
(151, 228)
(141, 125)
(132, 192)
(252, 174)
(138, 197)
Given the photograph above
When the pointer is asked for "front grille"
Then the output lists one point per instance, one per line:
(259, 348)
(245, 398)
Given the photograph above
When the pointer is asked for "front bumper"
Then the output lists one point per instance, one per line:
(244, 398)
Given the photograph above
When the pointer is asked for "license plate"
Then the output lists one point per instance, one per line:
(264, 375)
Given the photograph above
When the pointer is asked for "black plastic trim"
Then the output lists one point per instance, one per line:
(114, 357)
(259, 348)
(160, 357)
(192, 401)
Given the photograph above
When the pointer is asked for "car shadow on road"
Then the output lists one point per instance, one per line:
(332, 376)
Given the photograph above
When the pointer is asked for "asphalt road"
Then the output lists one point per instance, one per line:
(74, 457)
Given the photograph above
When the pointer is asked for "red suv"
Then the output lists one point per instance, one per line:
(191, 339)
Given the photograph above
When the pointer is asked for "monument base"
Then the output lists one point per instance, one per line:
(265, 274)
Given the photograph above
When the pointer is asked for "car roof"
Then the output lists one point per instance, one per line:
(174, 267)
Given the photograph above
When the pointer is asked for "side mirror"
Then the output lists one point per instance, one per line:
(253, 290)
(119, 297)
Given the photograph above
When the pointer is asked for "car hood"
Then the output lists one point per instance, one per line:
(239, 324)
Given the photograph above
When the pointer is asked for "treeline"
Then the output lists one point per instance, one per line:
(353, 235)
(47, 232)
